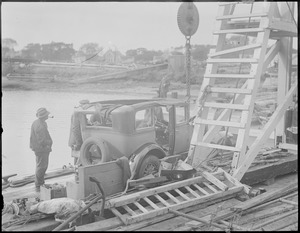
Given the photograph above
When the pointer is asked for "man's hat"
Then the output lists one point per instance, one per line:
(42, 112)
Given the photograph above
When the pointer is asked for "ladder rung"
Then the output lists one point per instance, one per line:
(162, 200)
(217, 146)
(232, 60)
(172, 197)
(215, 181)
(229, 106)
(220, 123)
(192, 192)
(210, 187)
(201, 189)
(141, 207)
(260, 14)
(182, 194)
(118, 214)
(130, 211)
(231, 90)
(243, 30)
(242, 76)
(234, 50)
(154, 206)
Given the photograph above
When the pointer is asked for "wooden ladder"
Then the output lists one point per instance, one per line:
(157, 201)
(241, 78)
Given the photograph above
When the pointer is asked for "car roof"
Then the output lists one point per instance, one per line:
(140, 103)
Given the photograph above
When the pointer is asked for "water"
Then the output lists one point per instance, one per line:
(18, 113)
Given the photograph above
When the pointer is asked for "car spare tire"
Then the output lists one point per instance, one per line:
(93, 151)
(149, 165)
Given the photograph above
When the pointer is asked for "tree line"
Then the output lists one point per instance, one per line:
(90, 52)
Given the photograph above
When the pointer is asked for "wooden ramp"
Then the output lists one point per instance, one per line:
(158, 201)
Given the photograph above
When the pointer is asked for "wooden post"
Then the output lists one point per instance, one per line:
(284, 69)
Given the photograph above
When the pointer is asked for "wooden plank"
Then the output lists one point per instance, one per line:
(259, 14)
(119, 215)
(288, 202)
(215, 181)
(258, 174)
(201, 189)
(192, 192)
(231, 60)
(268, 128)
(283, 26)
(210, 187)
(130, 211)
(237, 31)
(227, 106)
(154, 206)
(217, 146)
(275, 219)
(234, 181)
(267, 196)
(183, 195)
(221, 123)
(234, 50)
(141, 207)
(162, 200)
(172, 197)
(231, 90)
(273, 51)
(199, 219)
(288, 146)
(235, 76)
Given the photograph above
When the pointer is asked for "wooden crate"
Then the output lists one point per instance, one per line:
(110, 176)
(48, 193)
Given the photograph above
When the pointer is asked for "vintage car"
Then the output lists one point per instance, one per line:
(143, 130)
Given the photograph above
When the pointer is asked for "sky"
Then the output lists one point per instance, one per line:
(126, 25)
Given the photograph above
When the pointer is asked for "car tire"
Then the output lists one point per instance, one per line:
(97, 144)
(149, 165)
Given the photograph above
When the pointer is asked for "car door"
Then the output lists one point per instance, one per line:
(183, 130)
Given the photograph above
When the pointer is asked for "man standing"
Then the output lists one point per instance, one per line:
(164, 87)
(40, 143)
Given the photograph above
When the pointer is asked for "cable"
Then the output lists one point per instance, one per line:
(292, 15)
(91, 57)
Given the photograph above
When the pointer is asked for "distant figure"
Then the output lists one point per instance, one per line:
(164, 87)
(40, 143)
(97, 119)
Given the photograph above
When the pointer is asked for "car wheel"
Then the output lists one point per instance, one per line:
(94, 151)
(150, 165)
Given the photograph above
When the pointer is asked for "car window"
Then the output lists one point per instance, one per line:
(144, 118)
(94, 119)
(180, 114)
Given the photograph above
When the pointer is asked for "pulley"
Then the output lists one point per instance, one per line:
(188, 18)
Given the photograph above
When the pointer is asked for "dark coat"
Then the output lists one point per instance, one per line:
(40, 139)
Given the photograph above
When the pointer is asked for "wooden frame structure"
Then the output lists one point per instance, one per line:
(267, 29)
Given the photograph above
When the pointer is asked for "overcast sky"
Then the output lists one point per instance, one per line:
(127, 25)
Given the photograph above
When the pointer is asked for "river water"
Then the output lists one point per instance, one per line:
(18, 113)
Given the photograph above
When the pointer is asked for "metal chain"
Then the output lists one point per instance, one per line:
(188, 67)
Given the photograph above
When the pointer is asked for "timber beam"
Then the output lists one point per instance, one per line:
(267, 130)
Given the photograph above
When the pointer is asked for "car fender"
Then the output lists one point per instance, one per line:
(137, 157)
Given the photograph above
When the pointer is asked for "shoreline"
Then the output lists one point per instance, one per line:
(131, 87)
